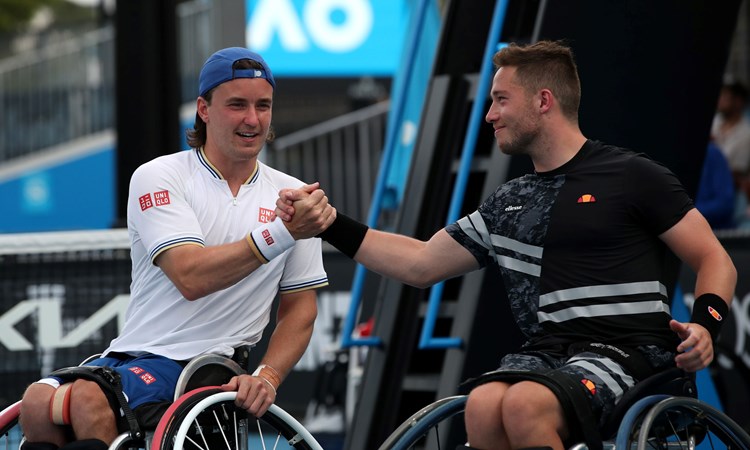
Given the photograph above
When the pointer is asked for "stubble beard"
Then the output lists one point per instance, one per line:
(520, 145)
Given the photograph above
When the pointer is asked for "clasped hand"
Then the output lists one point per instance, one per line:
(305, 211)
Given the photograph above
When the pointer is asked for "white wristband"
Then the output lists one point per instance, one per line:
(270, 240)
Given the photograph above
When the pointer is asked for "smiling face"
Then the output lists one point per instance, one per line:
(512, 115)
(238, 121)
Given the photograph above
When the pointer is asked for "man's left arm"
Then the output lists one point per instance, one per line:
(693, 241)
(294, 326)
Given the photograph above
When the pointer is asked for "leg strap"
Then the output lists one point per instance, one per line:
(59, 405)
(109, 381)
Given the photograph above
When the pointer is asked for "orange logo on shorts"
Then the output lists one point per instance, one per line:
(589, 385)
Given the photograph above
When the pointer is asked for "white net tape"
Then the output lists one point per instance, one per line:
(63, 241)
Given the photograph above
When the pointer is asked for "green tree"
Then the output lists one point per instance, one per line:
(15, 14)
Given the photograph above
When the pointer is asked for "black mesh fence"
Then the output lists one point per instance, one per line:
(56, 309)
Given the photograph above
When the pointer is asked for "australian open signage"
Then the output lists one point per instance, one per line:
(328, 37)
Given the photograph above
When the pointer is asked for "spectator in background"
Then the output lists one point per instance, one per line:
(731, 128)
(716, 192)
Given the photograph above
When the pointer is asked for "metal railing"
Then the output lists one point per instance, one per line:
(343, 154)
(60, 93)
(66, 90)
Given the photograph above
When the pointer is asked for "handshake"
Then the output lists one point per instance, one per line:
(305, 211)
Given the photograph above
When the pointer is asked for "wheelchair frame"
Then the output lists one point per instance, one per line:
(655, 422)
(202, 418)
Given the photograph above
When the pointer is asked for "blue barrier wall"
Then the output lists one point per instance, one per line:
(72, 192)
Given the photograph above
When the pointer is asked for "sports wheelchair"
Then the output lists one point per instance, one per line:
(201, 417)
(661, 413)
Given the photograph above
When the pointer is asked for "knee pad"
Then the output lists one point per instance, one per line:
(59, 405)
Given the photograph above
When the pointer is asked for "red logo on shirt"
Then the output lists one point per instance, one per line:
(265, 215)
(267, 236)
(161, 198)
(136, 370)
(145, 201)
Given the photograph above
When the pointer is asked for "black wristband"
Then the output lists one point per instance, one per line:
(709, 311)
(346, 234)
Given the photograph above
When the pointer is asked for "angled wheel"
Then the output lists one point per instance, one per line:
(423, 428)
(207, 419)
(662, 422)
(10, 431)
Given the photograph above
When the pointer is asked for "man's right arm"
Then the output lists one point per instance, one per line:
(411, 261)
(414, 262)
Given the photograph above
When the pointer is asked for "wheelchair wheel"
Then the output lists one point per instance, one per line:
(207, 419)
(661, 422)
(423, 428)
(10, 431)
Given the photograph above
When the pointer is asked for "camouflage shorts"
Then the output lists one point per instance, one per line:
(605, 379)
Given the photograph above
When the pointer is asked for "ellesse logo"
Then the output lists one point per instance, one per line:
(586, 198)
(589, 385)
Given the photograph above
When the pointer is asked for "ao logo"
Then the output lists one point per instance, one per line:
(336, 26)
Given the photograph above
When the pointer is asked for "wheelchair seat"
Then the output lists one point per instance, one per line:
(440, 424)
(203, 417)
(201, 371)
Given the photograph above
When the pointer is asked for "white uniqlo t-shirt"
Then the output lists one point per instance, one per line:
(181, 199)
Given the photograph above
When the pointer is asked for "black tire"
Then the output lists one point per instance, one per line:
(699, 420)
(411, 433)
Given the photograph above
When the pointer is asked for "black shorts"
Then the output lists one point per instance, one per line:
(605, 379)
